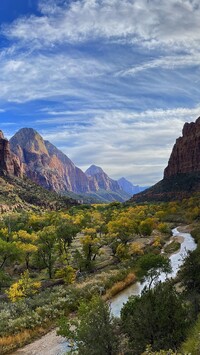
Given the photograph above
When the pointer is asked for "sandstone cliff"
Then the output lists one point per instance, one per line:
(185, 156)
(9, 162)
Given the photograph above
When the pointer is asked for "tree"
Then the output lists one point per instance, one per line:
(8, 252)
(66, 232)
(146, 226)
(46, 247)
(157, 318)
(91, 244)
(190, 271)
(151, 266)
(25, 287)
(93, 332)
(122, 228)
(26, 242)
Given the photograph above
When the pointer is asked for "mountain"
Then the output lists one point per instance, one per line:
(101, 179)
(182, 174)
(129, 188)
(107, 188)
(46, 165)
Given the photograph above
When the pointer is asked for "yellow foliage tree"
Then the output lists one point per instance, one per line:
(25, 287)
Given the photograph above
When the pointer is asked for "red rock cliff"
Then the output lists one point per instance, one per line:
(185, 156)
(9, 162)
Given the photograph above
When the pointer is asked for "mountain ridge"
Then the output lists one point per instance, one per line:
(46, 165)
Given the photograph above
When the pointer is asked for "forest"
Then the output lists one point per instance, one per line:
(62, 268)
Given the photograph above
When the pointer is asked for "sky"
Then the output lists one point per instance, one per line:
(109, 82)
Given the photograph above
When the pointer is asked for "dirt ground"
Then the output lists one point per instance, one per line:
(49, 344)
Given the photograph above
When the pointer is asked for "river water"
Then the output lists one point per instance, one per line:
(50, 344)
(177, 259)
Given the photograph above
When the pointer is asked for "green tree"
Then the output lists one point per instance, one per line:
(146, 226)
(190, 271)
(94, 330)
(151, 266)
(46, 247)
(26, 242)
(8, 253)
(66, 232)
(157, 317)
(91, 243)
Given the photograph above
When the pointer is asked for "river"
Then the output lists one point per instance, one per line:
(50, 344)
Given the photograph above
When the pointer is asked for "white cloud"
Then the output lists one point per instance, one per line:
(173, 22)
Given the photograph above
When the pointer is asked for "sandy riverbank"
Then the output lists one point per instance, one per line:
(49, 344)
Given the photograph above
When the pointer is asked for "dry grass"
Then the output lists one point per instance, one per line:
(16, 341)
(119, 286)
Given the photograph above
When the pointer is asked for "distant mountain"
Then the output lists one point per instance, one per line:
(101, 179)
(129, 188)
(182, 174)
(108, 189)
(47, 166)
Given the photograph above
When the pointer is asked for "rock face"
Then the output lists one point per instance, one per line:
(46, 165)
(9, 162)
(182, 175)
(101, 179)
(185, 156)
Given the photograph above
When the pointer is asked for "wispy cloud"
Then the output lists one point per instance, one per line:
(136, 145)
(167, 62)
(140, 21)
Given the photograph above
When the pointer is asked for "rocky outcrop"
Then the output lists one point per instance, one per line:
(9, 162)
(185, 156)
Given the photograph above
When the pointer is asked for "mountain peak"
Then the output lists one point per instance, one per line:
(30, 140)
(93, 170)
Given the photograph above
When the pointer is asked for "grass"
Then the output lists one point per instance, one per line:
(13, 342)
(120, 285)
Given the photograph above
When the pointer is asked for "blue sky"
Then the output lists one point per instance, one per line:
(109, 82)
